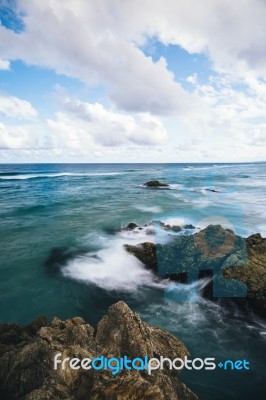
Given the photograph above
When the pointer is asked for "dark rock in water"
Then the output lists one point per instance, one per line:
(155, 184)
(189, 226)
(26, 361)
(176, 228)
(131, 226)
(212, 190)
(146, 253)
(238, 265)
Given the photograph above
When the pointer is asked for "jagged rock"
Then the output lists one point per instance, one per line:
(146, 253)
(131, 226)
(213, 251)
(27, 354)
(253, 273)
(155, 184)
(122, 332)
(189, 226)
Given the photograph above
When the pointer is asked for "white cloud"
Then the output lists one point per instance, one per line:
(4, 65)
(232, 34)
(95, 40)
(17, 137)
(83, 125)
(85, 42)
(100, 44)
(14, 107)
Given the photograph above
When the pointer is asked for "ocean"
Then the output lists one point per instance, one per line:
(62, 252)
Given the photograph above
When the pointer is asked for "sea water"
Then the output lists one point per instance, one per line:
(62, 252)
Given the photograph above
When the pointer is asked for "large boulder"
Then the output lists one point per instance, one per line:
(238, 265)
(253, 273)
(27, 354)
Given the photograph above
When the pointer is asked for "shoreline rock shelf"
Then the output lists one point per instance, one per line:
(27, 354)
(213, 251)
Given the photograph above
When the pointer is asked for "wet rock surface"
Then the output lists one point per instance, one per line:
(238, 264)
(155, 184)
(27, 354)
(253, 273)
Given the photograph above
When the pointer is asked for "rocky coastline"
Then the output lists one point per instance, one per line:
(27, 354)
(212, 252)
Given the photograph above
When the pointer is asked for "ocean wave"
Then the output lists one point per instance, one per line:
(112, 268)
(55, 175)
(175, 186)
(196, 168)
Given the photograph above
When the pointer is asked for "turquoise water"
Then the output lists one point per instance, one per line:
(62, 252)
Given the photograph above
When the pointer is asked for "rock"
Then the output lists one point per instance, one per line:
(218, 252)
(176, 228)
(131, 226)
(26, 360)
(189, 226)
(212, 190)
(122, 332)
(253, 274)
(155, 184)
(146, 253)
(167, 227)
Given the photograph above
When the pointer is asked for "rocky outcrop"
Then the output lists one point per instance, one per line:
(27, 354)
(149, 228)
(238, 265)
(131, 226)
(155, 184)
(253, 273)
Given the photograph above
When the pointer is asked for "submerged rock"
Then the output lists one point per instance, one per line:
(27, 354)
(155, 184)
(238, 265)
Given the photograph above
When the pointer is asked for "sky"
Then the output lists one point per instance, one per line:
(132, 81)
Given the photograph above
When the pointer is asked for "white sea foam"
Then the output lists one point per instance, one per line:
(56, 175)
(175, 186)
(174, 221)
(113, 268)
(152, 209)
